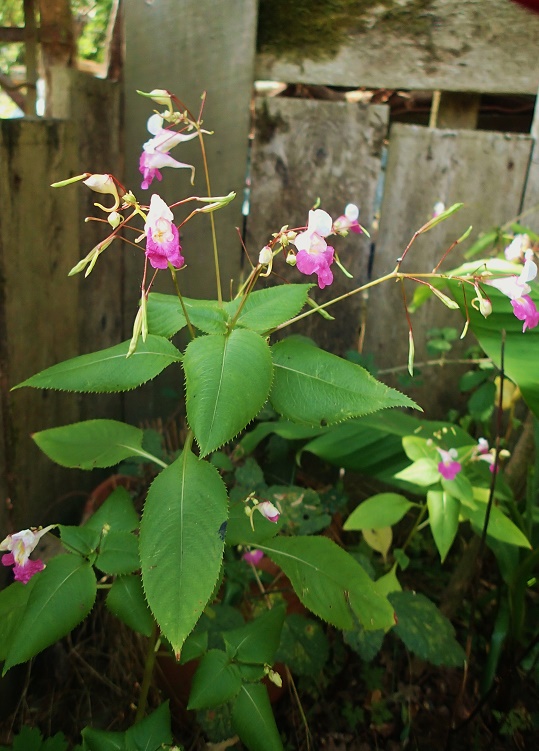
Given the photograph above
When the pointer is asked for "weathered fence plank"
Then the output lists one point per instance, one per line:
(484, 170)
(304, 150)
(38, 309)
(452, 45)
(188, 47)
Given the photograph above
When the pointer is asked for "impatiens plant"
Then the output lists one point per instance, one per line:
(164, 570)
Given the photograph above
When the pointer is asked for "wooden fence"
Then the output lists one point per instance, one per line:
(303, 149)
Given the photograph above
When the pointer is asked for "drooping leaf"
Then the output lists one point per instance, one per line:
(256, 641)
(180, 545)
(126, 601)
(379, 539)
(228, 379)
(216, 680)
(315, 387)
(166, 318)
(116, 513)
(109, 370)
(253, 720)
(500, 527)
(425, 631)
(330, 582)
(90, 444)
(62, 596)
(267, 308)
(444, 512)
(380, 510)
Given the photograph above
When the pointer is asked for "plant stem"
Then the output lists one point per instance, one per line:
(182, 303)
(148, 672)
(212, 221)
(414, 529)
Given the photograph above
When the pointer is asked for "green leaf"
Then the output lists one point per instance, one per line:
(418, 448)
(500, 527)
(166, 318)
(422, 472)
(267, 308)
(181, 547)
(317, 388)
(253, 720)
(330, 582)
(13, 601)
(460, 487)
(425, 631)
(304, 646)
(228, 379)
(152, 733)
(381, 510)
(240, 532)
(257, 641)
(216, 680)
(63, 595)
(118, 553)
(108, 370)
(126, 601)
(117, 513)
(81, 540)
(102, 740)
(521, 356)
(90, 444)
(444, 512)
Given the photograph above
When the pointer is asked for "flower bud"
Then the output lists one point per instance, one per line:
(102, 184)
(268, 510)
(265, 256)
(114, 219)
(160, 96)
(485, 307)
(291, 258)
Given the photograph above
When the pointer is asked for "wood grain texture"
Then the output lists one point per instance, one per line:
(188, 47)
(486, 171)
(453, 45)
(305, 150)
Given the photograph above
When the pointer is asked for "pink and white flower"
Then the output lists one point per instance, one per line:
(314, 255)
(517, 248)
(348, 221)
(155, 154)
(253, 556)
(517, 289)
(448, 467)
(20, 545)
(162, 239)
(268, 510)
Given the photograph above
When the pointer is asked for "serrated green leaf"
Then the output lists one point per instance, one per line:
(425, 631)
(315, 387)
(228, 379)
(152, 733)
(90, 444)
(253, 720)
(256, 641)
(267, 308)
(378, 511)
(181, 547)
(216, 680)
(117, 513)
(81, 540)
(330, 582)
(63, 595)
(102, 740)
(166, 318)
(126, 601)
(444, 510)
(118, 553)
(108, 370)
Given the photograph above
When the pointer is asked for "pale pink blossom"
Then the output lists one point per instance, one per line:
(253, 556)
(517, 248)
(162, 239)
(20, 545)
(268, 510)
(348, 221)
(155, 154)
(448, 467)
(517, 289)
(314, 255)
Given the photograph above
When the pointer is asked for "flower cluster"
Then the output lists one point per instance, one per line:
(517, 289)
(20, 545)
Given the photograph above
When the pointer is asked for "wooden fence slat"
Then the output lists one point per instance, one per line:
(486, 171)
(450, 45)
(38, 308)
(190, 47)
(305, 150)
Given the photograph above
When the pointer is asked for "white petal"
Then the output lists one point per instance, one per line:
(155, 124)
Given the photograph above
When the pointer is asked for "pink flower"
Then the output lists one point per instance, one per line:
(482, 452)
(314, 255)
(517, 248)
(162, 240)
(21, 544)
(517, 289)
(253, 556)
(155, 154)
(448, 467)
(348, 221)
(269, 511)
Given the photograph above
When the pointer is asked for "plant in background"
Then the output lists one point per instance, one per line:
(165, 572)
